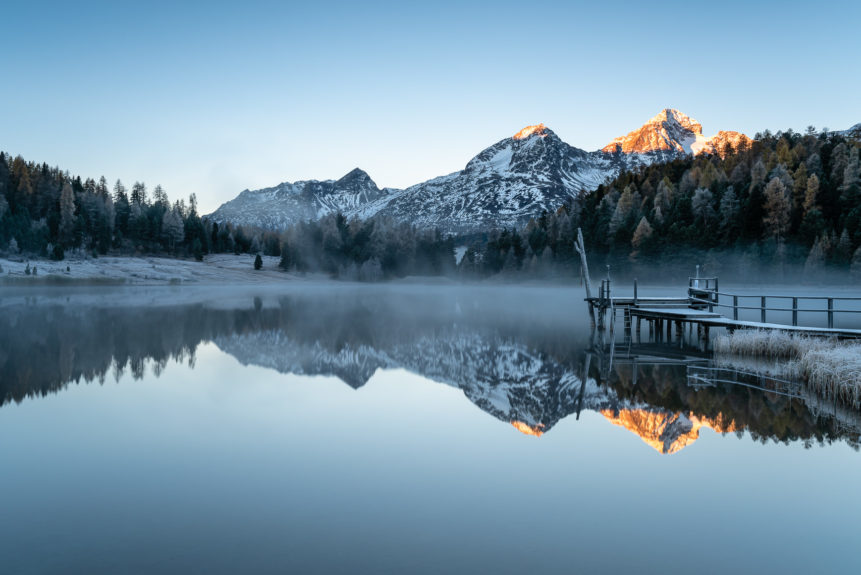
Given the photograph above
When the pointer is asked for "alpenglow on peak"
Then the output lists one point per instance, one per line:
(672, 131)
(536, 130)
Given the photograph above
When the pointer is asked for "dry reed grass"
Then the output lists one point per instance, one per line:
(830, 367)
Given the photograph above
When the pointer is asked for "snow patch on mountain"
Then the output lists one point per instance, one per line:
(505, 185)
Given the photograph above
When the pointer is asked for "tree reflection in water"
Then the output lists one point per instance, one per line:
(526, 365)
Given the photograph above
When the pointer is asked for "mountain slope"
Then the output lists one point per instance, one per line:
(505, 185)
(288, 203)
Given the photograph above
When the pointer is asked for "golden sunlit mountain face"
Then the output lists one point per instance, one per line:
(667, 433)
(674, 131)
(536, 130)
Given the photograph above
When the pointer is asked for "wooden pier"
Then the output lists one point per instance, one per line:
(700, 309)
(668, 318)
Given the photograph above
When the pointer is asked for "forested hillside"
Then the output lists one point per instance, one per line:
(787, 198)
(45, 212)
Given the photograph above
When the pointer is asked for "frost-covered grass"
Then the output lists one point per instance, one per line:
(829, 367)
(833, 373)
(145, 270)
(768, 344)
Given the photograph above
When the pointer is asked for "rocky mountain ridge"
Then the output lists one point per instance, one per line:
(505, 185)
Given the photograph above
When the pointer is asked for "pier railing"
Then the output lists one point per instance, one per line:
(706, 294)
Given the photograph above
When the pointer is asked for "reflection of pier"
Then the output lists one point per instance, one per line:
(668, 318)
(700, 370)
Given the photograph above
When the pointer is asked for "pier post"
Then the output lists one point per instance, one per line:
(580, 246)
(635, 292)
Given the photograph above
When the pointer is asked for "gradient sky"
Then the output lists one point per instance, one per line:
(216, 97)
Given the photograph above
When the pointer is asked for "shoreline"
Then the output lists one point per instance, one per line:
(143, 271)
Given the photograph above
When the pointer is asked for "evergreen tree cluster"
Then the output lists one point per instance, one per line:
(787, 198)
(46, 212)
(366, 250)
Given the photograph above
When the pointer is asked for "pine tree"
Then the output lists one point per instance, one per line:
(173, 229)
(811, 196)
(197, 249)
(729, 207)
(701, 205)
(816, 258)
(776, 221)
(67, 216)
(641, 235)
(286, 261)
(855, 267)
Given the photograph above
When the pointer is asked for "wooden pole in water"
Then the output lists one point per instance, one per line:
(581, 249)
(584, 265)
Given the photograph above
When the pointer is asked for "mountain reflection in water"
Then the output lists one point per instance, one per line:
(530, 366)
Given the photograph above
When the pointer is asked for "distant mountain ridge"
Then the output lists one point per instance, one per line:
(504, 185)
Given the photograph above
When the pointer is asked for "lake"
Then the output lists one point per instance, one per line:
(335, 428)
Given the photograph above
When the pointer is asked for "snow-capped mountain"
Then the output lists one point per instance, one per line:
(288, 203)
(505, 185)
(853, 132)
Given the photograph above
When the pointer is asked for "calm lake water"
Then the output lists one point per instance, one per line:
(397, 429)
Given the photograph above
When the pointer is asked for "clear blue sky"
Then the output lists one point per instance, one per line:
(216, 97)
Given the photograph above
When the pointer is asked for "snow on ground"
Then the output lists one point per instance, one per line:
(215, 269)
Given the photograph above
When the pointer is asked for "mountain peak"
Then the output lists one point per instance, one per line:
(536, 130)
(673, 117)
(354, 174)
(673, 132)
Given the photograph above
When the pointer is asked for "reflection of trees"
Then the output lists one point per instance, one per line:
(47, 347)
(462, 341)
(43, 348)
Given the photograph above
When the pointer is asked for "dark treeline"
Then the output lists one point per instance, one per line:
(789, 198)
(45, 212)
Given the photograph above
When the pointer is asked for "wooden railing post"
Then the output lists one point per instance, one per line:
(762, 309)
(735, 307)
(830, 312)
(795, 311)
